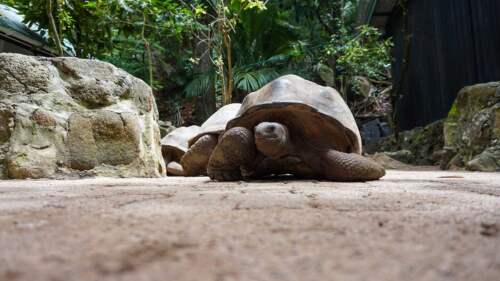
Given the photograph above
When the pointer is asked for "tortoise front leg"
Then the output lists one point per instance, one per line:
(254, 168)
(195, 161)
(339, 166)
(235, 150)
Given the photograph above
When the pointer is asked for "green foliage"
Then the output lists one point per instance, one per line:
(249, 80)
(198, 47)
(364, 54)
(263, 44)
(200, 84)
(123, 32)
(83, 23)
(227, 16)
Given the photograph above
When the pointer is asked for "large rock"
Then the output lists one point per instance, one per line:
(472, 129)
(67, 116)
(389, 162)
(417, 147)
(165, 128)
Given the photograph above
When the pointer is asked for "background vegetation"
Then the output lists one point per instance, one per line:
(213, 52)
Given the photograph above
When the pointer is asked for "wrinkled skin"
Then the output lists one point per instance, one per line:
(241, 153)
(234, 153)
(195, 160)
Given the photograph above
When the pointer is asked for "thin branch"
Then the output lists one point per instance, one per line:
(53, 26)
(148, 50)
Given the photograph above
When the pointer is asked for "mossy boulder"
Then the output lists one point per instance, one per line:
(70, 117)
(472, 129)
(416, 147)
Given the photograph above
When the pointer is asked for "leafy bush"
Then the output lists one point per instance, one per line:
(363, 54)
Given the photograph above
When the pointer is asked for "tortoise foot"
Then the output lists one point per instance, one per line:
(225, 175)
(236, 148)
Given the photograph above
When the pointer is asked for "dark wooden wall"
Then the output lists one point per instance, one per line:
(454, 43)
(9, 45)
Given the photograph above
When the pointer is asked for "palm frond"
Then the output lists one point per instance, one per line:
(250, 80)
(199, 85)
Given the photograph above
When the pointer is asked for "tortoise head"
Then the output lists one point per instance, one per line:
(272, 139)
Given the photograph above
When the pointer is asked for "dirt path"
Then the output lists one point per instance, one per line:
(408, 226)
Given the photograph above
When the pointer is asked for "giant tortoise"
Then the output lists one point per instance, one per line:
(292, 126)
(174, 145)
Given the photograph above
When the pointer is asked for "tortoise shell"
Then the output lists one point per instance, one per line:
(216, 123)
(312, 113)
(175, 144)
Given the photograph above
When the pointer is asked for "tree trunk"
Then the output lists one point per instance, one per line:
(397, 94)
(229, 67)
(205, 105)
(53, 29)
(147, 47)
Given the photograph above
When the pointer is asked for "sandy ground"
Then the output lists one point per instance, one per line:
(408, 226)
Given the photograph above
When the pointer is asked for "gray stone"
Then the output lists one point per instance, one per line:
(165, 128)
(416, 147)
(326, 74)
(117, 138)
(389, 162)
(472, 128)
(27, 75)
(5, 125)
(363, 86)
(404, 155)
(65, 116)
(487, 161)
(81, 143)
(25, 162)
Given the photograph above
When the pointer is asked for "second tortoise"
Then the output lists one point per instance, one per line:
(195, 160)
(174, 145)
